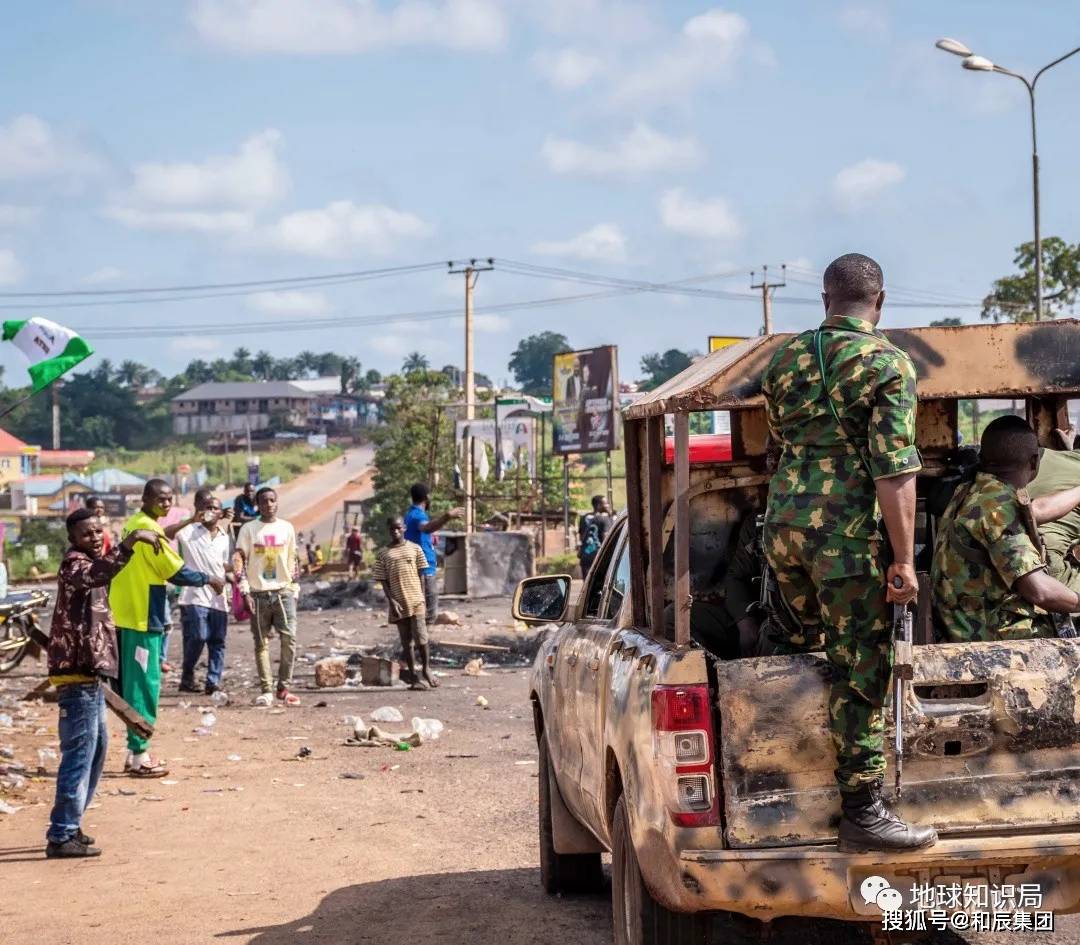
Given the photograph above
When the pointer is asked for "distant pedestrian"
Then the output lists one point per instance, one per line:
(97, 505)
(354, 551)
(309, 554)
(83, 656)
(204, 613)
(419, 527)
(171, 522)
(268, 548)
(138, 601)
(244, 508)
(399, 567)
(592, 529)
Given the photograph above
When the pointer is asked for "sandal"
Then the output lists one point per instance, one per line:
(155, 769)
(287, 698)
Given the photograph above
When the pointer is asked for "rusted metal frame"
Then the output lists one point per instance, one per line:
(634, 430)
(1046, 414)
(682, 529)
(654, 471)
(721, 484)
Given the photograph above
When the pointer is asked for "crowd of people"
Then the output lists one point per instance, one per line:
(113, 615)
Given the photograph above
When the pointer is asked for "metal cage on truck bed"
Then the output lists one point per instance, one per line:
(1038, 363)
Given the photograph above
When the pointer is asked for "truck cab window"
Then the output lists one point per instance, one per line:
(598, 575)
(620, 583)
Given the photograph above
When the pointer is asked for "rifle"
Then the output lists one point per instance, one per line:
(903, 673)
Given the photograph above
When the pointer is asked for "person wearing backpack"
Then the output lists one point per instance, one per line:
(592, 529)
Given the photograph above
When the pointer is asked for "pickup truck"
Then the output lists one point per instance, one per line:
(710, 778)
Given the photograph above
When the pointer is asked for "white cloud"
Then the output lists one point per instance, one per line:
(224, 222)
(568, 68)
(604, 242)
(105, 274)
(641, 151)
(391, 345)
(705, 52)
(343, 228)
(195, 344)
(859, 185)
(290, 302)
(252, 177)
(11, 270)
(30, 148)
(11, 215)
(347, 26)
(707, 219)
(865, 20)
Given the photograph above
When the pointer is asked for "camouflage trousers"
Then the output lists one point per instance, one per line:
(836, 586)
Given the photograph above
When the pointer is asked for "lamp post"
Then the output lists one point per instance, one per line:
(982, 64)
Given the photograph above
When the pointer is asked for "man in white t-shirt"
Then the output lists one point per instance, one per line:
(268, 547)
(204, 614)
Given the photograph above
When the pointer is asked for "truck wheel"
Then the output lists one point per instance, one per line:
(562, 872)
(640, 919)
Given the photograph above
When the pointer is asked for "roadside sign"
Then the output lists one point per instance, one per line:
(717, 342)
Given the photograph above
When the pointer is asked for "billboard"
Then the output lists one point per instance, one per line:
(585, 388)
(716, 342)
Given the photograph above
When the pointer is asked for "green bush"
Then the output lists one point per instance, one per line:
(566, 563)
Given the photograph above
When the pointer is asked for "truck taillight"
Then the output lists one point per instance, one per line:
(683, 739)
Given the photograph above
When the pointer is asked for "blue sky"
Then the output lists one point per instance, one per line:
(212, 141)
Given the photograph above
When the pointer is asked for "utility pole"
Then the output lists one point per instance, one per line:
(471, 270)
(766, 294)
(56, 416)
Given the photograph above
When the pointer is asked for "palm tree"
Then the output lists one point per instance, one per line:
(306, 362)
(415, 363)
(330, 363)
(241, 360)
(131, 374)
(350, 375)
(262, 365)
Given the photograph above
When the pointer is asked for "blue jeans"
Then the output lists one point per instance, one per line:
(203, 626)
(84, 738)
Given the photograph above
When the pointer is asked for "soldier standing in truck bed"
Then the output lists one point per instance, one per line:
(841, 403)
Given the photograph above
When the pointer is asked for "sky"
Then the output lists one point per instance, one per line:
(203, 142)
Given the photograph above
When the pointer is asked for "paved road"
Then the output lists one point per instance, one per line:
(310, 500)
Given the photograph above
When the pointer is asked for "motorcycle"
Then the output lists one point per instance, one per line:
(18, 619)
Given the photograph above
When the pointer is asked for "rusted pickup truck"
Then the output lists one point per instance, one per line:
(710, 779)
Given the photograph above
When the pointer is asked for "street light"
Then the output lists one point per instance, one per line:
(982, 64)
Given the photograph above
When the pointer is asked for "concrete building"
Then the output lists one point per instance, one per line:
(17, 459)
(235, 407)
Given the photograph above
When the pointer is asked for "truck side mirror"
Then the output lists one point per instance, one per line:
(542, 599)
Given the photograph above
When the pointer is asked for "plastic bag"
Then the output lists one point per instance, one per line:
(428, 729)
(387, 713)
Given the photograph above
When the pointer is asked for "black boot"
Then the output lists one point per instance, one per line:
(70, 849)
(867, 824)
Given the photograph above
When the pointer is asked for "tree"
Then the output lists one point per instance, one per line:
(1012, 298)
(531, 361)
(241, 361)
(262, 365)
(284, 369)
(415, 363)
(404, 447)
(132, 374)
(329, 364)
(306, 362)
(372, 377)
(659, 368)
(350, 375)
(951, 322)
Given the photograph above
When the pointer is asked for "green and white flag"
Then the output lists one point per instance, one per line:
(51, 349)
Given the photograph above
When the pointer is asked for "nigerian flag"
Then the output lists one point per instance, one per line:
(51, 349)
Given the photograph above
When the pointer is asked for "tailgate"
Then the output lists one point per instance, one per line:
(991, 742)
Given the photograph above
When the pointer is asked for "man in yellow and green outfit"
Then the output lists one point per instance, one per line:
(139, 606)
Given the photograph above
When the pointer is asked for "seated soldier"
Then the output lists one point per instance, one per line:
(989, 576)
(1058, 486)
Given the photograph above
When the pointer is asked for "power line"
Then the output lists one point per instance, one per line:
(351, 276)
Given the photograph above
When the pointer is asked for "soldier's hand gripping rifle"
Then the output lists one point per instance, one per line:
(903, 673)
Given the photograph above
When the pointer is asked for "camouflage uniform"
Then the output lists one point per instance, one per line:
(822, 538)
(983, 547)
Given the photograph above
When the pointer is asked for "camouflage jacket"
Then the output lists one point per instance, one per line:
(82, 638)
(983, 547)
(823, 480)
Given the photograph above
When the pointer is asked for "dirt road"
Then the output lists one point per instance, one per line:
(244, 843)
